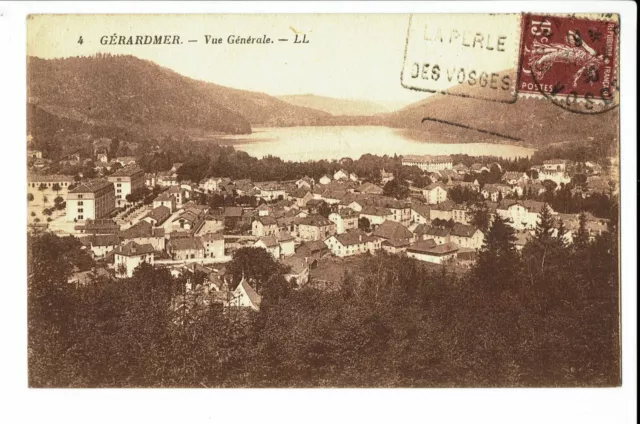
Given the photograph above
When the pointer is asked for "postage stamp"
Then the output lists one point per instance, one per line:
(469, 55)
(571, 60)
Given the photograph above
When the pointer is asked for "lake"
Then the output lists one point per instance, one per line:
(315, 143)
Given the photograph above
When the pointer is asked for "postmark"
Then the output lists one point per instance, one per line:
(468, 55)
(571, 61)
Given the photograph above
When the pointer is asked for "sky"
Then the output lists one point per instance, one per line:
(348, 56)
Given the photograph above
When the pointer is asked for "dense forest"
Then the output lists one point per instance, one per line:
(546, 316)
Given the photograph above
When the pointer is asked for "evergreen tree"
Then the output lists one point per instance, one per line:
(581, 239)
(497, 260)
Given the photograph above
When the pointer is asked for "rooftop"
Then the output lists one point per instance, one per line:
(127, 171)
(134, 249)
(92, 186)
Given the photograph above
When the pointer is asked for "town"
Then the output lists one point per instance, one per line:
(429, 208)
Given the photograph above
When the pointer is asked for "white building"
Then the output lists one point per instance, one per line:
(345, 219)
(435, 193)
(126, 181)
(523, 214)
(244, 296)
(128, 257)
(90, 200)
(428, 163)
(352, 243)
(429, 251)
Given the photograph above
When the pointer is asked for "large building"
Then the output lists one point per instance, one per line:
(428, 163)
(90, 200)
(126, 180)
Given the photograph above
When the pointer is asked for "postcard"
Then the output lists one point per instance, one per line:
(323, 200)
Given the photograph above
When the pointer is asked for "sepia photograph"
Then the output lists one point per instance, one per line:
(426, 200)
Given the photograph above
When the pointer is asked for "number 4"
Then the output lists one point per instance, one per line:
(80, 40)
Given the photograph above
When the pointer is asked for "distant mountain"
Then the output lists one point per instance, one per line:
(127, 92)
(336, 107)
(536, 122)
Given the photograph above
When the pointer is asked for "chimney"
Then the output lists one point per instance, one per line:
(360, 237)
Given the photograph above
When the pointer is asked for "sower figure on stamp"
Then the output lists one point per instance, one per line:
(576, 51)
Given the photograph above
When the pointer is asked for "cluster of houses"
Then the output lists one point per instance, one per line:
(296, 222)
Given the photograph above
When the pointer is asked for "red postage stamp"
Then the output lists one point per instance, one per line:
(571, 60)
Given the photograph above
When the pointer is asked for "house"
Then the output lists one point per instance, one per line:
(244, 296)
(345, 219)
(305, 181)
(264, 226)
(521, 214)
(263, 210)
(478, 168)
(450, 175)
(126, 161)
(270, 244)
(352, 243)
(426, 251)
(190, 219)
(400, 210)
(286, 242)
(314, 227)
(144, 233)
(324, 180)
(183, 248)
(395, 236)
(157, 216)
(126, 180)
(166, 200)
(467, 236)
(301, 197)
(211, 184)
(128, 257)
(435, 193)
(559, 165)
(385, 177)
(341, 175)
(442, 211)
(353, 177)
(298, 270)
(369, 188)
(420, 213)
(100, 245)
(97, 226)
(376, 215)
(495, 192)
(440, 235)
(212, 223)
(461, 213)
(270, 191)
(90, 200)
(213, 245)
(179, 194)
(461, 169)
(428, 163)
(513, 178)
(313, 250)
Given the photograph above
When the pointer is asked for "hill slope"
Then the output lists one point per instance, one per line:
(127, 92)
(534, 121)
(334, 106)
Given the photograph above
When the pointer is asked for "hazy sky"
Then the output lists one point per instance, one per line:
(348, 56)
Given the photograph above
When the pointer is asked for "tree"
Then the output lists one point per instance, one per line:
(56, 187)
(498, 261)
(256, 265)
(324, 209)
(396, 188)
(364, 224)
(480, 217)
(30, 197)
(581, 238)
